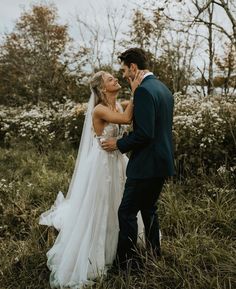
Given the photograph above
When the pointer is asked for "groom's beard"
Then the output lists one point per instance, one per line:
(132, 78)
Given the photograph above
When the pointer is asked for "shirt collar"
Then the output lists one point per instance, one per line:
(147, 74)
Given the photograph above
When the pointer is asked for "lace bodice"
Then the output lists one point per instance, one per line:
(112, 130)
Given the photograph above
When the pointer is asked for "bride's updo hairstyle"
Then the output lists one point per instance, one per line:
(97, 87)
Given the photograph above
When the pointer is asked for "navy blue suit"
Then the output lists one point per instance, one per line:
(151, 161)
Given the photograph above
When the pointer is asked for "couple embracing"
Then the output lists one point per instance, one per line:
(97, 221)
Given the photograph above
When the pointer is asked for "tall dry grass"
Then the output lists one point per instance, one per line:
(197, 214)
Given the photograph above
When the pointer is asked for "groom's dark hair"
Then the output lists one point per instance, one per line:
(134, 55)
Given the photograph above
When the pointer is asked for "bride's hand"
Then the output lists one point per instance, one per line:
(137, 80)
(125, 103)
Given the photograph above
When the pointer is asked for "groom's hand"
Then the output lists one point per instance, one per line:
(109, 145)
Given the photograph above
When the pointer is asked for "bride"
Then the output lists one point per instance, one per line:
(87, 218)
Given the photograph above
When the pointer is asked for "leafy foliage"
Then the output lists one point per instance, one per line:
(36, 59)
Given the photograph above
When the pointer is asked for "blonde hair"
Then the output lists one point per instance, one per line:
(97, 87)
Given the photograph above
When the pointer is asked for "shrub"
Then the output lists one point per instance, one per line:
(204, 132)
(42, 126)
(204, 129)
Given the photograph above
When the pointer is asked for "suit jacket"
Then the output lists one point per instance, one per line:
(151, 139)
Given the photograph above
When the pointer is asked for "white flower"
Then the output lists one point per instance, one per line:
(221, 170)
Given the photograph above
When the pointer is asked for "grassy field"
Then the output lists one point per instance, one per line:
(198, 223)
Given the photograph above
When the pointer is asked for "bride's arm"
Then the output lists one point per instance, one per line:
(106, 114)
(124, 103)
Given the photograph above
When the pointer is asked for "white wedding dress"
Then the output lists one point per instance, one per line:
(87, 221)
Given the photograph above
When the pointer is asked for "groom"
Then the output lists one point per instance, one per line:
(151, 160)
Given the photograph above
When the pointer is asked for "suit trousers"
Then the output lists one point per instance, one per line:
(139, 195)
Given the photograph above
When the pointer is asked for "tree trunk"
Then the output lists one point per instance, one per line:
(210, 85)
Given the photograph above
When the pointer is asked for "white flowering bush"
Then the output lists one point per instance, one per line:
(204, 131)
(204, 128)
(40, 125)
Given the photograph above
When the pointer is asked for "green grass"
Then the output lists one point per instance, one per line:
(197, 215)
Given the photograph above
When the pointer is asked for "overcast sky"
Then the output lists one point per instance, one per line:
(10, 10)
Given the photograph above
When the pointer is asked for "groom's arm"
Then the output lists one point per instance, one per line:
(144, 114)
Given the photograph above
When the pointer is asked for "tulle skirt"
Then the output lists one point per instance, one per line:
(87, 221)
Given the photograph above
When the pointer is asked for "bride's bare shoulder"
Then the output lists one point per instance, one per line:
(100, 109)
